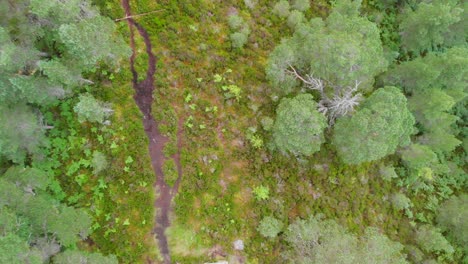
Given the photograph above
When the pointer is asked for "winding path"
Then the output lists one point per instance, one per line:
(144, 99)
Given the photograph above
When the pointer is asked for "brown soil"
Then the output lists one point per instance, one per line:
(144, 99)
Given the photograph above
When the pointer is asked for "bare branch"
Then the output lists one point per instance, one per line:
(310, 81)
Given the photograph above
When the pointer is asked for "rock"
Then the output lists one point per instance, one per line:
(239, 245)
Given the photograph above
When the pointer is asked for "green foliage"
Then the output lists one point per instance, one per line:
(238, 39)
(381, 125)
(301, 5)
(42, 62)
(241, 36)
(255, 140)
(21, 135)
(388, 173)
(15, 250)
(298, 127)
(56, 71)
(32, 214)
(232, 91)
(324, 241)
(431, 240)
(445, 71)
(170, 172)
(400, 201)
(436, 123)
(418, 157)
(80, 40)
(270, 227)
(99, 162)
(451, 218)
(91, 109)
(267, 123)
(261, 192)
(75, 256)
(235, 22)
(281, 8)
(294, 18)
(432, 24)
(343, 50)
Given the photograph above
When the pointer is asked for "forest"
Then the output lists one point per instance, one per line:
(233, 131)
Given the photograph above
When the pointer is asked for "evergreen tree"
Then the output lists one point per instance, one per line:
(92, 110)
(34, 224)
(381, 125)
(431, 25)
(342, 50)
(20, 133)
(451, 218)
(46, 47)
(324, 241)
(298, 127)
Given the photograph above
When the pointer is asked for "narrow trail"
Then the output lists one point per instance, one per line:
(144, 99)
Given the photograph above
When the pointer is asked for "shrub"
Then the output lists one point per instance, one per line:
(238, 39)
(400, 201)
(298, 128)
(99, 162)
(325, 241)
(388, 173)
(270, 227)
(431, 240)
(267, 123)
(452, 218)
(261, 192)
(301, 5)
(377, 129)
(281, 8)
(92, 110)
(235, 22)
(250, 3)
(294, 18)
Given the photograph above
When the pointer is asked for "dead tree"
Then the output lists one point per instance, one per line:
(343, 101)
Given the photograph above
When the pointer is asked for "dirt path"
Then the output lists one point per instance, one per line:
(144, 99)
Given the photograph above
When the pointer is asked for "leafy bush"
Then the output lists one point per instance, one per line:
(99, 162)
(261, 192)
(382, 124)
(298, 128)
(294, 18)
(235, 22)
(452, 218)
(431, 240)
(92, 110)
(446, 25)
(281, 8)
(250, 3)
(400, 201)
(324, 241)
(301, 5)
(388, 173)
(267, 123)
(270, 227)
(238, 39)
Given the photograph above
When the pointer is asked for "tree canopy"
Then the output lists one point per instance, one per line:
(47, 48)
(432, 24)
(34, 220)
(298, 128)
(324, 241)
(343, 49)
(382, 124)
